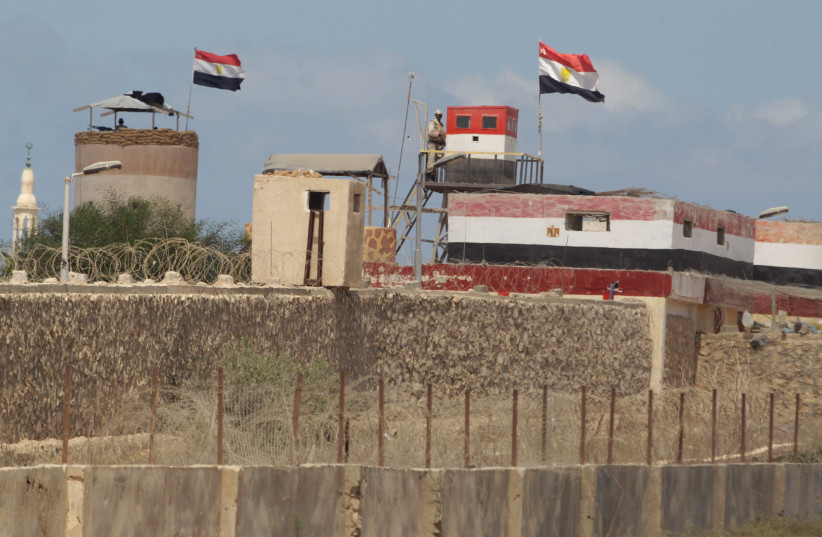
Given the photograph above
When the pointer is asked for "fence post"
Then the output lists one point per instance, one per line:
(770, 429)
(650, 443)
(154, 385)
(583, 416)
(611, 427)
(713, 427)
(295, 417)
(681, 427)
(514, 429)
(66, 412)
(380, 425)
(220, 407)
(428, 427)
(341, 425)
(467, 427)
(742, 430)
(796, 431)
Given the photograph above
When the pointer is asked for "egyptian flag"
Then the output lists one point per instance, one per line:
(222, 72)
(567, 73)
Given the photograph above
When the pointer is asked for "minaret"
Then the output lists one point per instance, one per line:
(25, 212)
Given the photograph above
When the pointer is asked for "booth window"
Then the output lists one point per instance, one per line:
(318, 201)
(489, 122)
(463, 122)
(588, 221)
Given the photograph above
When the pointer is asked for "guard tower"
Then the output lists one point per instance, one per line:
(480, 155)
(487, 135)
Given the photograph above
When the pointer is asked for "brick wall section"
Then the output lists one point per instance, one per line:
(114, 336)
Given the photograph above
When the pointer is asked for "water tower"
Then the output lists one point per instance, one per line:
(157, 162)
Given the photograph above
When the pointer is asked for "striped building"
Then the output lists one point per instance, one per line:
(599, 232)
(789, 253)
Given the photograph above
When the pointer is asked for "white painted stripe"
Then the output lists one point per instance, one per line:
(218, 69)
(773, 254)
(703, 240)
(648, 234)
(624, 233)
(566, 75)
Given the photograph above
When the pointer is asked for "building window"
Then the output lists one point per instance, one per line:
(720, 235)
(318, 201)
(687, 228)
(587, 221)
(489, 122)
(357, 202)
(514, 130)
(463, 122)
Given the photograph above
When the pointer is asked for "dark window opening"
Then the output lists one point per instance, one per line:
(475, 138)
(687, 228)
(318, 201)
(720, 235)
(357, 202)
(463, 122)
(587, 221)
(489, 122)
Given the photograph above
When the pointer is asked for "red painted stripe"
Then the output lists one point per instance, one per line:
(578, 62)
(231, 59)
(506, 279)
(620, 208)
(555, 206)
(789, 232)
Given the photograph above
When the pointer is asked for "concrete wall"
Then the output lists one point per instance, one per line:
(113, 337)
(280, 221)
(348, 501)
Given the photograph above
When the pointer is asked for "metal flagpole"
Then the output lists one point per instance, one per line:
(402, 145)
(539, 112)
(188, 106)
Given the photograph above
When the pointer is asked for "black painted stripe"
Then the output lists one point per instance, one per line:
(551, 85)
(598, 258)
(788, 276)
(219, 82)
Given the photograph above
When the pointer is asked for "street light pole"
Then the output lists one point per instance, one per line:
(97, 167)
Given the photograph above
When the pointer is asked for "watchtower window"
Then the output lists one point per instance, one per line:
(318, 201)
(357, 202)
(575, 221)
(720, 235)
(463, 122)
(489, 122)
(687, 228)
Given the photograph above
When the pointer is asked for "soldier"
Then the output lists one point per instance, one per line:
(436, 137)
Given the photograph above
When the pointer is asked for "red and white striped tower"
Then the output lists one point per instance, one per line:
(488, 134)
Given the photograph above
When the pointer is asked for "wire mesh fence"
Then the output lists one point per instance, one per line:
(287, 424)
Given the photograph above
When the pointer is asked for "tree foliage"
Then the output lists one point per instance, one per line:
(133, 226)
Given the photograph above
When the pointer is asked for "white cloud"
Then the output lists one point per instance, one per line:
(782, 112)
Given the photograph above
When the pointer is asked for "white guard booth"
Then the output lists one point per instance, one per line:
(307, 230)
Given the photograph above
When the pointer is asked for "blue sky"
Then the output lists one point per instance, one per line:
(713, 102)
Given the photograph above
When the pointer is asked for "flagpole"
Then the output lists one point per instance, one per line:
(539, 112)
(188, 106)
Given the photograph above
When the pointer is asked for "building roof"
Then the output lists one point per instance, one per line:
(329, 164)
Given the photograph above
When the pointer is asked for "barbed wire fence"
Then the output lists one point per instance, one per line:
(143, 260)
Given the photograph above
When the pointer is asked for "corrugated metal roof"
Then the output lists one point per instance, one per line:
(329, 164)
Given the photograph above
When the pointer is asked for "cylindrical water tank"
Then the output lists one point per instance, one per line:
(156, 163)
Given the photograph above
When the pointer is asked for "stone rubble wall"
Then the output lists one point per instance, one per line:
(680, 352)
(113, 336)
(786, 364)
